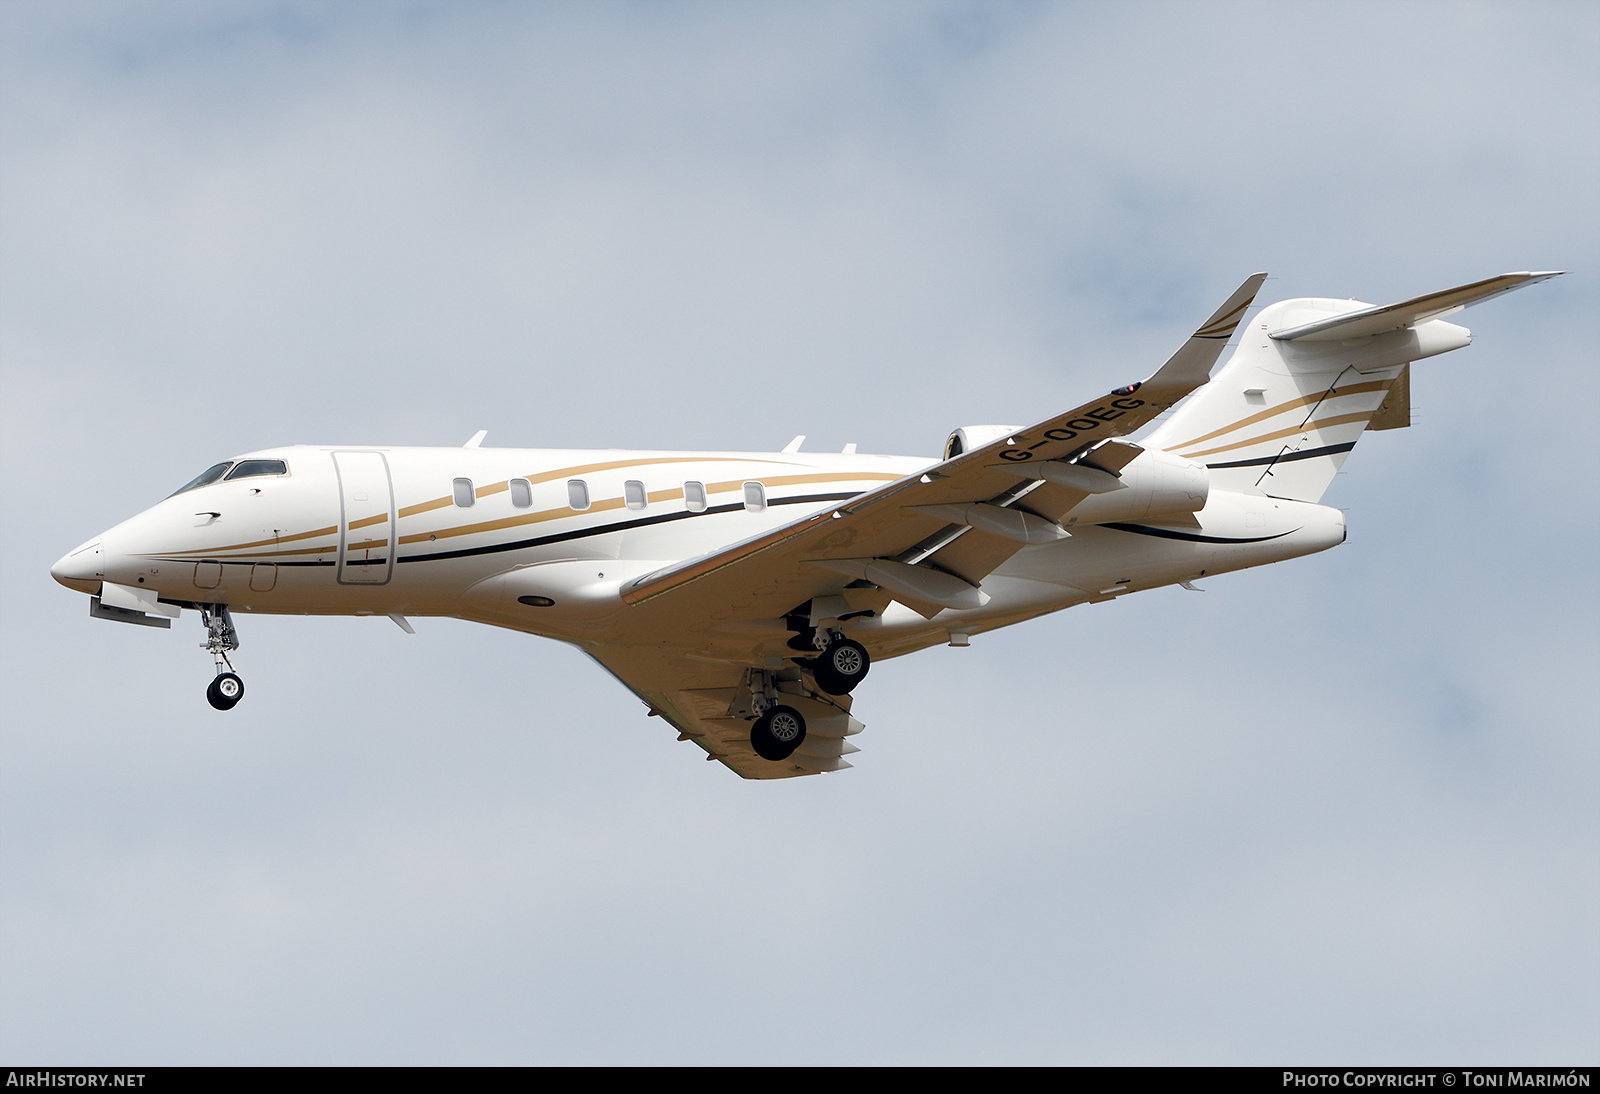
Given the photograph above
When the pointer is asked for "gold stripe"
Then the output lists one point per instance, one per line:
(218, 557)
(718, 561)
(506, 522)
(261, 542)
(617, 503)
(564, 472)
(798, 480)
(1263, 415)
(423, 507)
(1307, 427)
(1226, 323)
(325, 550)
(568, 472)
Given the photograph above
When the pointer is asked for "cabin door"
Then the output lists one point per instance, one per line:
(366, 518)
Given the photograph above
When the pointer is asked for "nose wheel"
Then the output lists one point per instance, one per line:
(222, 639)
(225, 691)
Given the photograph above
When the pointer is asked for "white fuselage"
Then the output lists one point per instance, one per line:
(395, 531)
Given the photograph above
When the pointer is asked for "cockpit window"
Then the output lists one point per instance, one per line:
(246, 469)
(205, 478)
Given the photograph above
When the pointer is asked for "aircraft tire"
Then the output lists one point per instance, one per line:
(225, 691)
(841, 667)
(777, 733)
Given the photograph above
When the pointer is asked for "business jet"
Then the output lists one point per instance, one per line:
(744, 596)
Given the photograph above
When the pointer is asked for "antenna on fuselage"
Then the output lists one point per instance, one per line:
(477, 439)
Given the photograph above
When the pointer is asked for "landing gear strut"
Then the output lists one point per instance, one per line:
(221, 639)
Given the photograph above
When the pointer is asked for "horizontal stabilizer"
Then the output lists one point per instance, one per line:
(1408, 313)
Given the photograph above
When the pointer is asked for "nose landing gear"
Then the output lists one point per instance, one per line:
(227, 689)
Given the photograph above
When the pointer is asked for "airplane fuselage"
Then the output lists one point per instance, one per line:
(352, 530)
(743, 596)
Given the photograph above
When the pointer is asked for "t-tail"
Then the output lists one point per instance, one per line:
(1309, 375)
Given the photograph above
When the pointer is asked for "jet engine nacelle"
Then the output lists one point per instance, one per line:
(969, 437)
(1155, 484)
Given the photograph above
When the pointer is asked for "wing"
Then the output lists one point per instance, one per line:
(920, 521)
(694, 631)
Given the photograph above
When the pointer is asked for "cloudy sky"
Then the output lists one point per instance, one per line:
(1345, 809)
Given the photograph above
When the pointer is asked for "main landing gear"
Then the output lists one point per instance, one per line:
(842, 664)
(777, 733)
(221, 639)
(777, 730)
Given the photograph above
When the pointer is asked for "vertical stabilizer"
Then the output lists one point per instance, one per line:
(1281, 417)
(1309, 375)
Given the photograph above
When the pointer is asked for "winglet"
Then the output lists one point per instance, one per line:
(794, 445)
(1191, 366)
(477, 439)
(1408, 313)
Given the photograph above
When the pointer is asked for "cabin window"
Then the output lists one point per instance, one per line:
(205, 478)
(246, 469)
(755, 497)
(578, 494)
(633, 494)
(694, 497)
(521, 493)
(462, 492)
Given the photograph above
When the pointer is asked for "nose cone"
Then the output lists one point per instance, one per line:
(80, 570)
